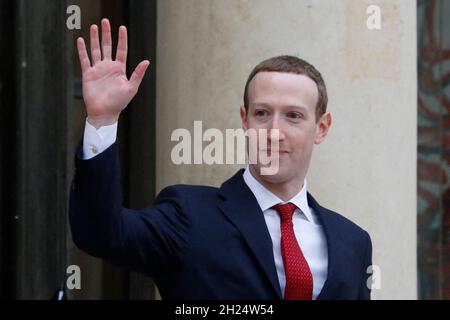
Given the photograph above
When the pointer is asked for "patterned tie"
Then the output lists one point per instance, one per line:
(299, 281)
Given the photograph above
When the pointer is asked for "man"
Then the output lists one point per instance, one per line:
(257, 236)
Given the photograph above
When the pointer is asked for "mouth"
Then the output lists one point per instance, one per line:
(269, 151)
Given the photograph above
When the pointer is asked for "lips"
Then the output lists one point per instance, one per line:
(270, 150)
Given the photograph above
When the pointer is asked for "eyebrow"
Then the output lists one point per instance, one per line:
(301, 107)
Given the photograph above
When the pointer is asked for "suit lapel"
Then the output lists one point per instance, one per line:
(333, 241)
(242, 209)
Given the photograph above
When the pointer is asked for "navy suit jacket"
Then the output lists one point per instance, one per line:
(202, 242)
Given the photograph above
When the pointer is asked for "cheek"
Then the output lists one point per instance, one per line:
(302, 141)
(252, 123)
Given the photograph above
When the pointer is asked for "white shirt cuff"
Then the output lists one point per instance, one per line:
(96, 141)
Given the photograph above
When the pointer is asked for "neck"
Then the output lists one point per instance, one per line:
(284, 190)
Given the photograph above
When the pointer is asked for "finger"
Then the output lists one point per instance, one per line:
(138, 74)
(96, 53)
(121, 53)
(83, 56)
(106, 39)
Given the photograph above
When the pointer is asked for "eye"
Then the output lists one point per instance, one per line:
(260, 113)
(294, 115)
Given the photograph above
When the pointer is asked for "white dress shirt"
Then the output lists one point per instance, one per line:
(95, 141)
(308, 232)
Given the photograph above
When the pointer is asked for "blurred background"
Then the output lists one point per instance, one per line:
(42, 122)
(385, 164)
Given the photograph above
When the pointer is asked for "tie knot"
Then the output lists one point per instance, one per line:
(285, 210)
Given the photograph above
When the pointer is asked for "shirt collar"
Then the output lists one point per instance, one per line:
(266, 199)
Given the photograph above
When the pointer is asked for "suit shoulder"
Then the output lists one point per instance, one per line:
(188, 191)
(345, 225)
(353, 237)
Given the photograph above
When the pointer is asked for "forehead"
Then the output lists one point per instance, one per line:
(281, 89)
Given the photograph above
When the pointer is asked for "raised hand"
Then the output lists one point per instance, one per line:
(106, 88)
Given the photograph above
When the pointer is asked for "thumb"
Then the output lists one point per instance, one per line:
(138, 74)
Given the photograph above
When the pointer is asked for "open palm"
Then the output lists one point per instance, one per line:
(106, 88)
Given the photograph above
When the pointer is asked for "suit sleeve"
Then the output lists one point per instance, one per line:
(365, 290)
(151, 241)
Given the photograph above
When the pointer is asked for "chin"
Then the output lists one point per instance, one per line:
(279, 177)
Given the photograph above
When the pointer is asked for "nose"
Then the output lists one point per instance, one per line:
(276, 124)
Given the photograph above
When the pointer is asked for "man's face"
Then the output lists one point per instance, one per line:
(286, 102)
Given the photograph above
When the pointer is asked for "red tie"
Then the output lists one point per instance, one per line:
(299, 281)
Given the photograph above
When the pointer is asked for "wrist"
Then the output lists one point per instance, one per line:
(102, 120)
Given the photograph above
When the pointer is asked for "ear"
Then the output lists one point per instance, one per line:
(323, 126)
(243, 117)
